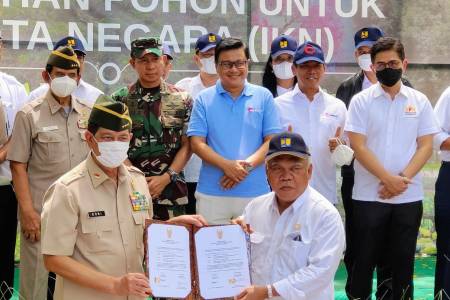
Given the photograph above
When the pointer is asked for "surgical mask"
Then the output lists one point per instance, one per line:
(342, 155)
(364, 62)
(63, 86)
(208, 65)
(283, 70)
(388, 76)
(112, 154)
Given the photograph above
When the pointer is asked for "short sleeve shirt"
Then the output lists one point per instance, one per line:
(234, 129)
(49, 141)
(90, 218)
(160, 118)
(3, 133)
(442, 111)
(391, 128)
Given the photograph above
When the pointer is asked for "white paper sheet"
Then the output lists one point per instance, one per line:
(169, 261)
(222, 261)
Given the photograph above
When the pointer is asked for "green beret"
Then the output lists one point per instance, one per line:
(110, 114)
(64, 58)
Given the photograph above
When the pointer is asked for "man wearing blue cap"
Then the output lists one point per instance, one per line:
(316, 115)
(168, 62)
(364, 40)
(278, 76)
(297, 236)
(86, 92)
(204, 59)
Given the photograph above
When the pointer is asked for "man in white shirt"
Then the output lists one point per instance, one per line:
(442, 198)
(316, 115)
(391, 128)
(12, 98)
(297, 235)
(205, 48)
(85, 92)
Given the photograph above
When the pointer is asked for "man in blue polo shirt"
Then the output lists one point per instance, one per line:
(230, 129)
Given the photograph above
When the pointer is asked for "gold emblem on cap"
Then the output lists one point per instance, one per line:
(71, 42)
(297, 226)
(285, 142)
(212, 38)
(283, 44)
(364, 34)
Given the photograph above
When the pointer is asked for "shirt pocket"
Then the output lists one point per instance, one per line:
(51, 143)
(296, 250)
(258, 250)
(97, 235)
(139, 221)
(173, 111)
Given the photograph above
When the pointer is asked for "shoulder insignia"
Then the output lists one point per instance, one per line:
(32, 105)
(76, 173)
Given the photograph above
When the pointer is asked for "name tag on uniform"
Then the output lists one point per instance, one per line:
(49, 128)
(94, 214)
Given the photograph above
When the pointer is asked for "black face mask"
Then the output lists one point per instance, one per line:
(388, 76)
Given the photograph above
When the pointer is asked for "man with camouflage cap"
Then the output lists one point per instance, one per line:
(48, 140)
(96, 247)
(160, 114)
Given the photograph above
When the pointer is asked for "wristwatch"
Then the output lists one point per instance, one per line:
(173, 175)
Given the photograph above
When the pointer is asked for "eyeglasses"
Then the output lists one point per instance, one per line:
(146, 43)
(393, 64)
(228, 65)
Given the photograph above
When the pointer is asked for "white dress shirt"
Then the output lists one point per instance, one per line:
(13, 96)
(442, 111)
(281, 90)
(316, 121)
(391, 128)
(85, 92)
(298, 252)
(192, 85)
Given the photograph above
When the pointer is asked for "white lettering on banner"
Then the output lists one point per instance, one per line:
(25, 3)
(88, 42)
(168, 30)
(15, 32)
(238, 5)
(273, 8)
(101, 72)
(37, 3)
(129, 31)
(188, 40)
(166, 5)
(40, 27)
(224, 31)
(206, 10)
(151, 7)
(108, 4)
(103, 37)
(83, 4)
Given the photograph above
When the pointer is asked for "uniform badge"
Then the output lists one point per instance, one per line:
(364, 34)
(94, 214)
(283, 44)
(139, 202)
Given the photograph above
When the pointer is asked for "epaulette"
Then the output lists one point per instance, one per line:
(135, 170)
(32, 104)
(73, 175)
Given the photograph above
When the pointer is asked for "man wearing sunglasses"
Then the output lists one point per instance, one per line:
(231, 125)
(160, 113)
(391, 128)
(86, 92)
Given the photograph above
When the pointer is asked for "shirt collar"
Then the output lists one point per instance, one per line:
(298, 203)
(247, 91)
(380, 92)
(98, 176)
(55, 106)
(297, 91)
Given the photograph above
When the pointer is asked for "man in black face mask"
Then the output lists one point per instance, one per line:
(391, 128)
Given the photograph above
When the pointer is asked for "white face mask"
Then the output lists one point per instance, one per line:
(283, 70)
(112, 154)
(63, 86)
(208, 65)
(342, 155)
(364, 62)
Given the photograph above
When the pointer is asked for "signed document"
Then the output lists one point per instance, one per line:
(222, 261)
(185, 262)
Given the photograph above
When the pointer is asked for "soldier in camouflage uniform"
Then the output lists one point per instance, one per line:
(160, 114)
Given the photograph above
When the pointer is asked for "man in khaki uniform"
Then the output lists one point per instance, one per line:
(47, 141)
(93, 216)
(3, 134)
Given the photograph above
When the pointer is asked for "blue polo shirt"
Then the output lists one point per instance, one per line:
(234, 129)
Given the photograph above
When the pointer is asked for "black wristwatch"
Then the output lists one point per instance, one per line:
(173, 175)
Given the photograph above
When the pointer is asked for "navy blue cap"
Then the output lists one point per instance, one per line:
(72, 42)
(206, 42)
(167, 51)
(308, 51)
(283, 44)
(367, 36)
(287, 143)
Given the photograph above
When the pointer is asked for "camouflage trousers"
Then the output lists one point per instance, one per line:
(165, 212)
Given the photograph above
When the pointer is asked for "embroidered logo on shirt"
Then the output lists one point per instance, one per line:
(252, 109)
(327, 114)
(410, 110)
(94, 214)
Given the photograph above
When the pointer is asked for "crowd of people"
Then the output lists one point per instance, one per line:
(83, 170)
